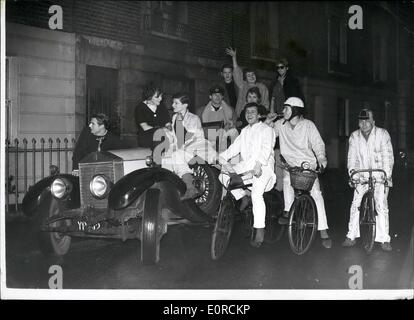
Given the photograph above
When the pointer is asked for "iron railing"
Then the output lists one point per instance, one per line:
(24, 161)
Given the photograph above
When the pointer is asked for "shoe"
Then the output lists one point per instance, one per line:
(386, 246)
(257, 243)
(327, 242)
(191, 192)
(245, 202)
(348, 242)
(284, 218)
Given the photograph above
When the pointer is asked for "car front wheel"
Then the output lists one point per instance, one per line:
(52, 243)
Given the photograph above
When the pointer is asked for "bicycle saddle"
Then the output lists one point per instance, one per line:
(236, 182)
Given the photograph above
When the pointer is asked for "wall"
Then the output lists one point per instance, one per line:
(41, 92)
(45, 63)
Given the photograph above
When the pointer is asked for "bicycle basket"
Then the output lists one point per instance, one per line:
(302, 180)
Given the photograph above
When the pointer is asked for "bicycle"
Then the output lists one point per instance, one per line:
(229, 210)
(303, 214)
(367, 211)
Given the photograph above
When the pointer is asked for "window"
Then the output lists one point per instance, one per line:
(264, 30)
(337, 45)
(166, 19)
(379, 58)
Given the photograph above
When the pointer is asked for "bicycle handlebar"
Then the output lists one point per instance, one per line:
(302, 168)
(370, 171)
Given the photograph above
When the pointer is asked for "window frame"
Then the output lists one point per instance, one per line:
(273, 38)
(341, 65)
(180, 21)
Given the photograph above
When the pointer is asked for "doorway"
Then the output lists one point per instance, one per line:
(101, 95)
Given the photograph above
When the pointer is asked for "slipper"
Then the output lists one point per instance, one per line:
(327, 242)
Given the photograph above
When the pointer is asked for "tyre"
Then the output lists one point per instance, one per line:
(206, 180)
(222, 229)
(152, 228)
(274, 209)
(52, 243)
(303, 224)
(367, 222)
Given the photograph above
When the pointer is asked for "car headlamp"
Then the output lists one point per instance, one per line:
(60, 188)
(100, 186)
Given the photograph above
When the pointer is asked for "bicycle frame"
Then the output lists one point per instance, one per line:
(368, 209)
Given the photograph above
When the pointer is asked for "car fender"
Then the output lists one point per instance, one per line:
(131, 186)
(40, 191)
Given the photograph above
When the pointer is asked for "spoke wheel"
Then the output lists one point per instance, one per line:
(52, 243)
(207, 182)
(152, 230)
(222, 229)
(303, 224)
(367, 222)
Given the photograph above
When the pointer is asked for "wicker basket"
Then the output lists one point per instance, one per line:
(302, 180)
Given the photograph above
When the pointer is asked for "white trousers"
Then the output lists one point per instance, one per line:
(381, 205)
(178, 159)
(259, 186)
(289, 196)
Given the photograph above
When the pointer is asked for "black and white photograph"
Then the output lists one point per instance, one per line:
(207, 150)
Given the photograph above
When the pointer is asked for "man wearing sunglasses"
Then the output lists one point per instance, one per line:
(284, 87)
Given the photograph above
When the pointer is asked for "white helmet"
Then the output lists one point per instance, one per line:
(294, 102)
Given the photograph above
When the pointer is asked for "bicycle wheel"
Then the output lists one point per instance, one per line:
(302, 224)
(367, 221)
(222, 229)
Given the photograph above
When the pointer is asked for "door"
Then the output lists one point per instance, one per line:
(101, 95)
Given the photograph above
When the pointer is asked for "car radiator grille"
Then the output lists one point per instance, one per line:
(113, 170)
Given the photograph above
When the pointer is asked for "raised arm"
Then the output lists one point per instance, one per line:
(237, 71)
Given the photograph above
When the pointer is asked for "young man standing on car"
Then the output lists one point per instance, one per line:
(300, 141)
(370, 148)
(255, 145)
(230, 87)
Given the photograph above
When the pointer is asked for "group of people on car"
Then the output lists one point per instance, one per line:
(252, 123)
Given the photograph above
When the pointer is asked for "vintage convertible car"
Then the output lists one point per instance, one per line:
(119, 194)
